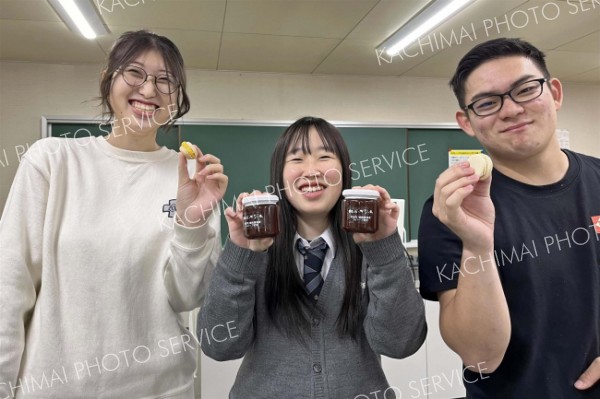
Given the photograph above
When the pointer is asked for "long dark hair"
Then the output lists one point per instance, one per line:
(287, 303)
(125, 50)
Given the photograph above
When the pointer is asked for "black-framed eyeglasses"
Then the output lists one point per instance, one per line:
(135, 76)
(521, 93)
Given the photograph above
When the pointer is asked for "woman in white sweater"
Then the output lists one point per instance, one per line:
(105, 240)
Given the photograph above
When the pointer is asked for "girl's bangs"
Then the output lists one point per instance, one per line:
(300, 138)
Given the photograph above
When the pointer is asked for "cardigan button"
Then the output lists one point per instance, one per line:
(317, 368)
(315, 322)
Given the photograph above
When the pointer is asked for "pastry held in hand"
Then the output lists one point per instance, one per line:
(482, 164)
(188, 150)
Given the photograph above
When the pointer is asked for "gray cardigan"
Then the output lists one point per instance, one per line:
(276, 366)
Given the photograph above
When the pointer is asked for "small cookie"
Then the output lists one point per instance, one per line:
(482, 164)
(188, 150)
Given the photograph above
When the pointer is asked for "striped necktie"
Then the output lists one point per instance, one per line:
(314, 254)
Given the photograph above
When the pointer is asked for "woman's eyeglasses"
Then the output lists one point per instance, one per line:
(135, 76)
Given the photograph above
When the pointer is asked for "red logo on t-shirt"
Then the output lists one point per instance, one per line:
(596, 221)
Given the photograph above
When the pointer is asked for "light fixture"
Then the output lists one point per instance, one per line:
(80, 16)
(426, 20)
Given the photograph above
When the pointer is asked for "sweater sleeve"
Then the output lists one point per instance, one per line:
(231, 301)
(193, 255)
(395, 321)
(21, 243)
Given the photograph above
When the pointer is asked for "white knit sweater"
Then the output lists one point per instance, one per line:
(94, 273)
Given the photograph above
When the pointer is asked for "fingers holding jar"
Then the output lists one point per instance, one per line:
(255, 220)
(369, 213)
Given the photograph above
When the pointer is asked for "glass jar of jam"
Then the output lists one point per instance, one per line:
(360, 213)
(261, 216)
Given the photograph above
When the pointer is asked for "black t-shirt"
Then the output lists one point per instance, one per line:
(547, 249)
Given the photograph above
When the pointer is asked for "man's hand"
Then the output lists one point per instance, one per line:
(589, 376)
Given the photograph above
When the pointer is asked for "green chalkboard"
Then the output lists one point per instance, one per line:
(404, 161)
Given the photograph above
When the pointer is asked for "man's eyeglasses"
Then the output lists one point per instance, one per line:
(135, 76)
(522, 93)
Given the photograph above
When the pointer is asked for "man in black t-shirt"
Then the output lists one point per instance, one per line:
(514, 259)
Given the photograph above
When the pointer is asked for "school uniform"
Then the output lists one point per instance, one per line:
(325, 365)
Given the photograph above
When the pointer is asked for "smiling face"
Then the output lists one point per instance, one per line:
(142, 109)
(314, 177)
(517, 131)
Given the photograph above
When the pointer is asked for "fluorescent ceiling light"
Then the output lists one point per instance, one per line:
(430, 17)
(80, 16)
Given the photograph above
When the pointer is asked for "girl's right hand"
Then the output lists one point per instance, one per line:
(235, 221)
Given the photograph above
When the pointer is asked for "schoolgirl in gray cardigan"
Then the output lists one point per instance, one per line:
(328, 346)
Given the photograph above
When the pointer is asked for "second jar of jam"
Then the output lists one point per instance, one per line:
(261, 216)
(360, 213)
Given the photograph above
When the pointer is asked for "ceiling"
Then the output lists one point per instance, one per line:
(311, 36)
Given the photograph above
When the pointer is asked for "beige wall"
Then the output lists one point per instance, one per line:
(28, 91)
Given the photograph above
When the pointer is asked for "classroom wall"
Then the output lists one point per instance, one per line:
(29, 90)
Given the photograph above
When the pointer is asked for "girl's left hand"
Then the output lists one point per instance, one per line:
(388, 216)
(199, 196)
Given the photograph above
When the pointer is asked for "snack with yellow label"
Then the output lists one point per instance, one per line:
(188, 150)
(482, 164)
